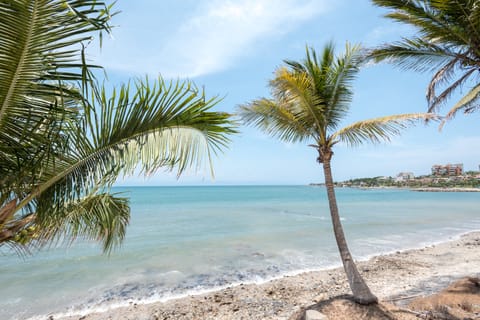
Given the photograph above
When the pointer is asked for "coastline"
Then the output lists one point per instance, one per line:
(420, 189)
(446, 189)
(416, 272)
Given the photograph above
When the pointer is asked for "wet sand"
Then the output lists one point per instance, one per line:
(404, 274)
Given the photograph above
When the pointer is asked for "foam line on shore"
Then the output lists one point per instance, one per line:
(81, 312)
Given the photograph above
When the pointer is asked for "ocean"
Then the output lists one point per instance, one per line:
(185, 240)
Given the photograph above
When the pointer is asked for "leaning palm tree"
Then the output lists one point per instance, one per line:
(64, 141)
(447, 43)
(310, 99)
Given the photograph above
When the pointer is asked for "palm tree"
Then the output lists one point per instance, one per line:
(64, 141)
(448, 43)
(310, 99)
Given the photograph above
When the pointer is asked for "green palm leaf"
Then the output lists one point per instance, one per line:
(64, 140)
(276, 120)
(415, 54)
(378, 130)
(40, 49)
(96, 216)
(166, 125)
(310, 98)
(447, 42)
(295, 92)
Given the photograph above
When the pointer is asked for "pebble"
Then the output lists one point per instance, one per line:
(320, 297)
(314, 315)
(281, 298)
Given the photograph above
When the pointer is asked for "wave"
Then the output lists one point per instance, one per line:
(99, 307)
(136, 293)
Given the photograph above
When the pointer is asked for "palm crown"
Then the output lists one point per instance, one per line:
(311, 99)
(448, 43)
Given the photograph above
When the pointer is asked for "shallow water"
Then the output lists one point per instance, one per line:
(189, 239)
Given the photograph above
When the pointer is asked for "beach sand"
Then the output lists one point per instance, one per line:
(393, 277)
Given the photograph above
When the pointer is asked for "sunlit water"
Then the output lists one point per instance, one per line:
(189, 239)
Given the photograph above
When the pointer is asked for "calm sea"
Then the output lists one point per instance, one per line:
(183, 240)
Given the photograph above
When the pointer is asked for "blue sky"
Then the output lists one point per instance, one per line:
(232, 47)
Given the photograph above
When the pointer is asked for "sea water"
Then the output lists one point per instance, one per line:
(185, 240)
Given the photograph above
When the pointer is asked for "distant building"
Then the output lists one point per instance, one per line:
(447, 170)
(404, 176)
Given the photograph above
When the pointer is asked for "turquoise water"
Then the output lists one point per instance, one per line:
(188, 239)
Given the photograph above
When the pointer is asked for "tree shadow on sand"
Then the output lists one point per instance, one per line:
(344, 307)
(460, 300)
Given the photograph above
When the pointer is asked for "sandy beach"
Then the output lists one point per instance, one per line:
(410, 273)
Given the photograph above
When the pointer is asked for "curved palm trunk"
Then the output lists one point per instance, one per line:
(360, 290)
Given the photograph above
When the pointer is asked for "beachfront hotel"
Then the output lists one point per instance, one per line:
(447, 170)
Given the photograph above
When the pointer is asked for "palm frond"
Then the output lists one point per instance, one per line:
(161, 126)
(296, 91)
(310, 97)
(40, 49)
(445, 21)
(414, 54)
(62, 138)
(437, 101)
(378, 130)
(474, 20)
(448, 40)
(96, 216)
(344, 72)
(468, 103)
(275, 120)
(304, 83)
(443, 75)
(174, 112)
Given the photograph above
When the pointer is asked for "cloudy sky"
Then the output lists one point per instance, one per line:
(232, 47)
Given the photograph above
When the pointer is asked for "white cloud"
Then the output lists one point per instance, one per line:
(214, 37)
(387, 33)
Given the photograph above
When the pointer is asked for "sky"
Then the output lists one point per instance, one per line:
(232, 48)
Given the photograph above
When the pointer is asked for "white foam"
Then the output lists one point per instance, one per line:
(83, 311)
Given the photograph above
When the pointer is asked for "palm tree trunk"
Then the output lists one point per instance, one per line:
(360, 290)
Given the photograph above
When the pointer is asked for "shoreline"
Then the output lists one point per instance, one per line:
(432, 189)
(418, 189)
(416, 271)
